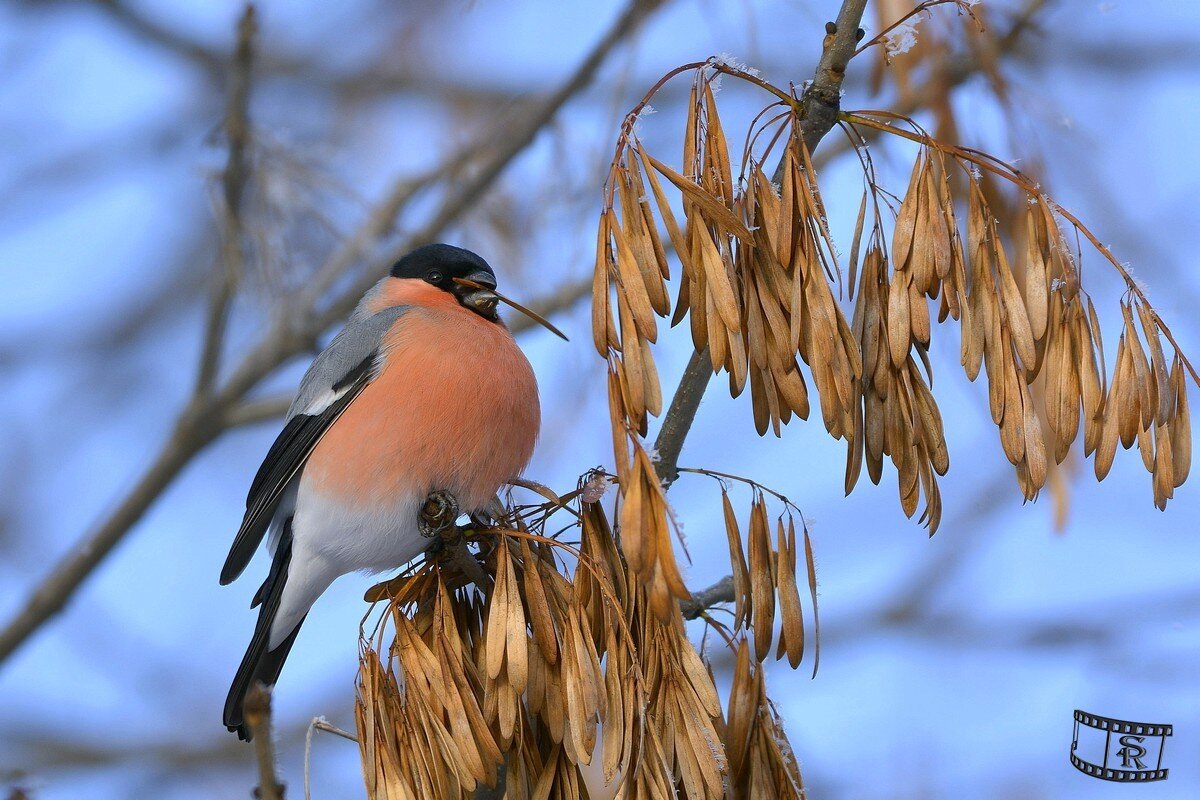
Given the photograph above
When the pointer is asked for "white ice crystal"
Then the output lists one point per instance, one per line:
(901, 39)
(731, 61)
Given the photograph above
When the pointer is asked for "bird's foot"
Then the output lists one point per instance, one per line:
(438, 514)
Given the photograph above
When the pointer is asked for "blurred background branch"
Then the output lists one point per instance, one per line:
(233, 190)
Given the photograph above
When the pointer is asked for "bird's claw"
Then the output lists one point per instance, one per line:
(438, 513)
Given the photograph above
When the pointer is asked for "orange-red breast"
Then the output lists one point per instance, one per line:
(423, 390)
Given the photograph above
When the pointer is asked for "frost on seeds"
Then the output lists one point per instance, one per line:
(733, 62)
(595, 487)
(644, 112)
(901, 39)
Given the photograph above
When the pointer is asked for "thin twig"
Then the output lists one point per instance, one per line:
(729, 476)
(922, 8)
(190, 436)
(293, 331)
(233, 191)
(258, 719)
(380, 221)
(318, 724)
(253, 412)
(151, 31)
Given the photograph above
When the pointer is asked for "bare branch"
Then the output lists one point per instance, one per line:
(233, 190)
(258, 719)
(318, 724)
(191, 435)
(164, 37)
(954, 74)
(466, 193)
(253, 412)
(822, 100)
(380, 221)
(701, 601)
(681, 415)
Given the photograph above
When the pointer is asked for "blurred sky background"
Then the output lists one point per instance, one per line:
(950, 666)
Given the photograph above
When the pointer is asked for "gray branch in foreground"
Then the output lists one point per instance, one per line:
(701, 601)
(293, 331)
(822, 100)
(680, 415)
(258, 719)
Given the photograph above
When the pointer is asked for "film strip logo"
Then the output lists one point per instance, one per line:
(1118, 751)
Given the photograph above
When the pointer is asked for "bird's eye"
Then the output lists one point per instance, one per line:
(434, 277)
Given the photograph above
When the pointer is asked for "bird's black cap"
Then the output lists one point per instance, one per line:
(439, 264)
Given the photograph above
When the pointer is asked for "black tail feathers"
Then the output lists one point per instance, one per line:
(259, 663)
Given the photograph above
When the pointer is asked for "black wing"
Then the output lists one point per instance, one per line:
(284, 460)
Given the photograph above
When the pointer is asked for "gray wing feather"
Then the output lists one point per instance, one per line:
(360, 338)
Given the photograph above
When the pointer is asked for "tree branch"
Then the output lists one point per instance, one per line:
(822, 100)
(258, 719)
(466, 193)
(953, 75)
(191, 435)
(680, 415)
(233, 191)
(701, 601)
(164, 37)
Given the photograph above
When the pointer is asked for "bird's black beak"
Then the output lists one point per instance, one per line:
(476, 293)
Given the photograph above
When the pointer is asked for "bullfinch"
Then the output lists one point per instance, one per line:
(424, 390)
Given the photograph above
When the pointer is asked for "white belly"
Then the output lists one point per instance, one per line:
(350, 538)
(330, 539)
